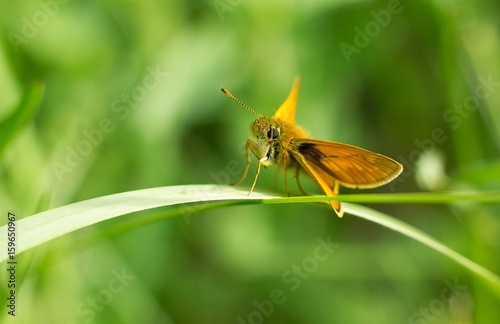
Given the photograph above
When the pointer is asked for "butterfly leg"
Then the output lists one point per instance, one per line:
(286, 161)
(297, 170)
(256, 176)
(250, 146)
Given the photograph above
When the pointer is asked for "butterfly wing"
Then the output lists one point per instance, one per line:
(286, 112)
(331, 164)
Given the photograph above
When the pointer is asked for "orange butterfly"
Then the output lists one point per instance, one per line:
(281, 141)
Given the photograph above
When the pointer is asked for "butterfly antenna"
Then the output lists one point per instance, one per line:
(230, 95)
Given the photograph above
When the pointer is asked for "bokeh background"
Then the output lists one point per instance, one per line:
(139, 80)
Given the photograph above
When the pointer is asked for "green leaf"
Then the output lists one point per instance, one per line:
(48, 225)
(21, 115)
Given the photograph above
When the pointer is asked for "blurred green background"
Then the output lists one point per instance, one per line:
(132, 101)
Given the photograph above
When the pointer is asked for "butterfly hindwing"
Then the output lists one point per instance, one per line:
(330, 164)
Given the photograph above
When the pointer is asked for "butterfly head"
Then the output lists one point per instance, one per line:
(268, 132)
(266, 129)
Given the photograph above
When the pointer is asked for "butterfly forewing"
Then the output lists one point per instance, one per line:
(286, 111)
(349, 165)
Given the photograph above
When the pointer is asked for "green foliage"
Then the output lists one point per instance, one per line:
(21, 115)
(101, 98)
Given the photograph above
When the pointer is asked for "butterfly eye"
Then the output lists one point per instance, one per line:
(273, 133)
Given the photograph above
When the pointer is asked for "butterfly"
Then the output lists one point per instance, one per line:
(329, 164)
